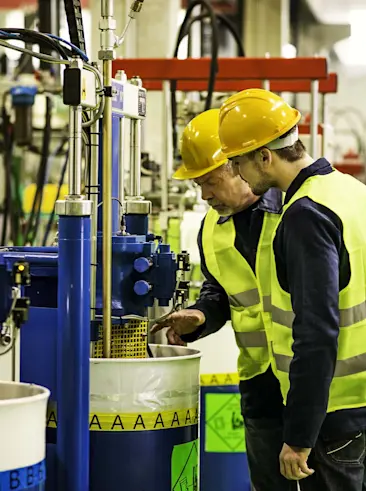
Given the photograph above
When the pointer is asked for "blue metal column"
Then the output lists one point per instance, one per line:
(73, 350)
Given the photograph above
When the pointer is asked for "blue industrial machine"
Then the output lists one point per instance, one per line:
(89, 295)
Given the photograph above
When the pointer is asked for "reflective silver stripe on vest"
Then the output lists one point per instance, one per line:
(347, 317)
(255, 339)
(267, 307)
(282, 316)
(245, 299)
(352, 315)
(351, 366)
(283, 362)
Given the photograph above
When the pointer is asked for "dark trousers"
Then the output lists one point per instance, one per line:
(264, 443)
(339, 465)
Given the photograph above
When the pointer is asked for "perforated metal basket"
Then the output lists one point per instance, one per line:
(128, 340)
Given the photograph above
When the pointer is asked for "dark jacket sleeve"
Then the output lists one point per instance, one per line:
(308, 246)
(213, 302)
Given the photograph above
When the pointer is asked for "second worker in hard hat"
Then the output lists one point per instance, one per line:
(318, 291)
(234, 243)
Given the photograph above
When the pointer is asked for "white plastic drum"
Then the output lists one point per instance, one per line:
(23, 436)
(144, 421)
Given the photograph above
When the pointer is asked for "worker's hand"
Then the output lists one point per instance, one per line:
(179, 323)
(293, 462)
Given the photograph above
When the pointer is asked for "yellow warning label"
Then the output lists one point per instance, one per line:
(224, 424)
(134, 421)
(220, 379)
(83, 89)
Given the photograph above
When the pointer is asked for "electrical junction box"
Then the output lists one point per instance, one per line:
(128, 100)
(88, 89)
(80, 88)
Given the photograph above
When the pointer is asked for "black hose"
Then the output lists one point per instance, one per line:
(213, 67)
(31, 230)
(45, 154)
(16, 208)
(7, 168)
(35, 37)
(52, 216)
(226, 22)
(215, 38)
(7, 218)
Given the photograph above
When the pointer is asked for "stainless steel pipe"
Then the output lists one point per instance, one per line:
(75, 152)
(94, 219)
(122, 140)
(314, 122)
(107, 8)
(135, 157)
(107, 213)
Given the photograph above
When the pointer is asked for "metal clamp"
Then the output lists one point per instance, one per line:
(74, 207)
(137, 207)
(182, 294)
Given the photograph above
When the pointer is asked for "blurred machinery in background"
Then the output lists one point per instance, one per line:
(88, 295)
(33, 130)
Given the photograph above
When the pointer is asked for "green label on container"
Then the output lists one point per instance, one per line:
(185, 467)
(224, 424)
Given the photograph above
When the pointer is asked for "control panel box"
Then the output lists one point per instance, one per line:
(128, 100)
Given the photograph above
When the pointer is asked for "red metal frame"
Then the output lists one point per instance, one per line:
(304, 129)
(233, 69)
(327, 86)
(224, 7)
(234, 74)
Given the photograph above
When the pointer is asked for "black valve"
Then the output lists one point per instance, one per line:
(20, 311)
(183, 261)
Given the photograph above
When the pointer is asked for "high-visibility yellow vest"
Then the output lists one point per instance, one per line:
(248, 293)
(346, 197)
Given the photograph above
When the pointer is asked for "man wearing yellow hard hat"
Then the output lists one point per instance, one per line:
(234, 243)
(318, 291)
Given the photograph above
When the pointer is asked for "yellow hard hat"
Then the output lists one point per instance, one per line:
(200, 146)
(252, 119)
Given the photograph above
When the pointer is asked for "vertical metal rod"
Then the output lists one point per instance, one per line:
(266, 83)
(94, 134)
(75, 152)
(73, 349)
(314, 123)
(135, 157)
(325, 126)
(168, 152)
(122, 140)
(107, 8)
(107, 213)
(14, 355)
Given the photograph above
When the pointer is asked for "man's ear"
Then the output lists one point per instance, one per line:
(263, 158)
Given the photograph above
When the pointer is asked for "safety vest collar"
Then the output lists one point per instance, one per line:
(319, 167)
(270, 202)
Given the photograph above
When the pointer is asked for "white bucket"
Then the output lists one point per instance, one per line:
(23, 433)
(167, 382)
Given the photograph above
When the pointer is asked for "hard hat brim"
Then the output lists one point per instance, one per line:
(182, 173)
